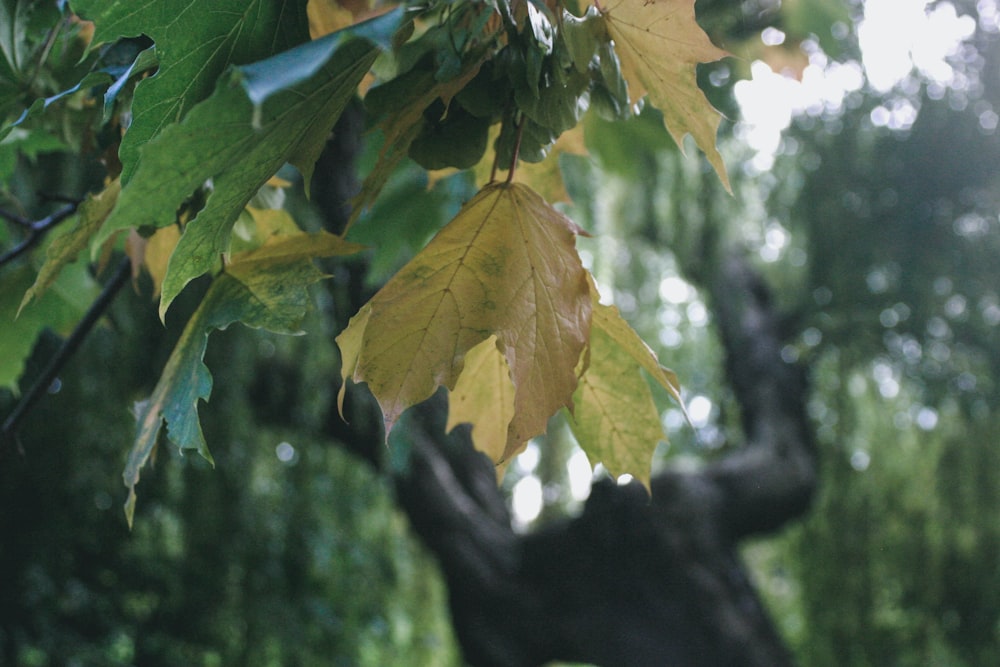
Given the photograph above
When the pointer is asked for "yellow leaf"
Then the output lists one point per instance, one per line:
(278, 182)
(349, 341)
(326, 16)
(159, 247)
(505, 266)
(484, 397)
(615, 326)
(270, 222)
(615, 419)
(660, 44)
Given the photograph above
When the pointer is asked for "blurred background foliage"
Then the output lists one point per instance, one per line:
(289, 552)
(874, 215)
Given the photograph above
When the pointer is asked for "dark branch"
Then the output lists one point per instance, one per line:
(66, 350)
(36, 230)
(18, 220)
(772, 478)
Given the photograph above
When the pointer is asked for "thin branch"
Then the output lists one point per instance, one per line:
(37, 230)
(60, 199)
(68, 348)
(15, 218)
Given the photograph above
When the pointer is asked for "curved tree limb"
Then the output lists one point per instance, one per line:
(772, 478)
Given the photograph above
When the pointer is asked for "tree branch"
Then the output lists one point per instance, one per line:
(772, 478)
(66, 350)
(36, 230)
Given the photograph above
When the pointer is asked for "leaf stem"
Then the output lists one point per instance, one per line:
(517, 150)
(66, 350)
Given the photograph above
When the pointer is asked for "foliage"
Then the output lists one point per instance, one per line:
(897, 288)
(213, 106)
(288, 553)
(907, 371)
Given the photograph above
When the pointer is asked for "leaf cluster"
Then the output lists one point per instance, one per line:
(194, 112)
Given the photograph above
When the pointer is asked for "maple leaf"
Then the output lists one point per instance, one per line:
(194, 45)
(262, 288)
(238, 138)
(615, 420)
(60, 309)
(505, 266)
(64, 248)
(659, 44)
(484, 398)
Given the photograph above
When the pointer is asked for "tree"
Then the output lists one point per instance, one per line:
(209, 131)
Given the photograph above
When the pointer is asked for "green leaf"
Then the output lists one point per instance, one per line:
(60, 309)
(194, 44)
(582, 36)
(458, 139)
(63, 249)
(29, 143)
(145, 61)
(262, 288)
(265, 78)
(558, 106)
(91, 80)
(405, 99)
(487, 95)
(225, 141)
(533, 142)
(614, 419)
(609, 95)
(18, 37)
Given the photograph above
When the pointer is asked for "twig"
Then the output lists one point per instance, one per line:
(37, 230)
(60, 199)
(67, 349)
(15, 218)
